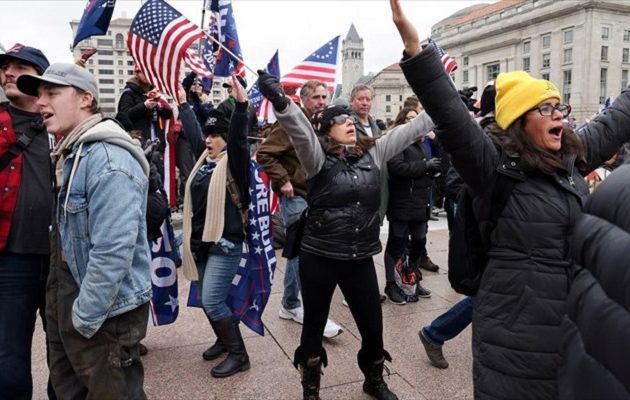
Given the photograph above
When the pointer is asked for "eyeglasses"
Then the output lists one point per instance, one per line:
(341, 119)
(546, 110)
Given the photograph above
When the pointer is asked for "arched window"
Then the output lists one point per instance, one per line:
(120, 40)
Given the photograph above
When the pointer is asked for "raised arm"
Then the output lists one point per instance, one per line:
(192, 130)
(474, 156)
(237, 146)
(294, 123)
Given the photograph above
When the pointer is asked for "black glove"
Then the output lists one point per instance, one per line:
(434, 166)
(270, 87)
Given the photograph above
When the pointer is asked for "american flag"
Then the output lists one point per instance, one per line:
(321, 65)
(195, 63)
(450, 64)
(256, 99)
(157, 41)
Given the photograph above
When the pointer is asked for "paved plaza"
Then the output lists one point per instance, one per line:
(174, 368)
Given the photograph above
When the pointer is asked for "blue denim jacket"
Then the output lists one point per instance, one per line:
(102, 221)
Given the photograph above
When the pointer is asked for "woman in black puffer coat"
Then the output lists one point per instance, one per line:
(596, 342)
(523, 293)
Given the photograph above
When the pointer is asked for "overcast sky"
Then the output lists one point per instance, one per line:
(295, 27)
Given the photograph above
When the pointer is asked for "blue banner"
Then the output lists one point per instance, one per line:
(95, 19)
(164, 256)
(255, 97)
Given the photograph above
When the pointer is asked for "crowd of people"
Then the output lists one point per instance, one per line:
(552, 282)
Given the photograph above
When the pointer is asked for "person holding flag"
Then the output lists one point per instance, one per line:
(215, 221)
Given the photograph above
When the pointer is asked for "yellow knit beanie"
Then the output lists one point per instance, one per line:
(517, 93)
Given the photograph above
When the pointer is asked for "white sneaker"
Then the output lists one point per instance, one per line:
(296, 314)
(332, 329)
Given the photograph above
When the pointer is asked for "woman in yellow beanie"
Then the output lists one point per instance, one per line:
(522, 298)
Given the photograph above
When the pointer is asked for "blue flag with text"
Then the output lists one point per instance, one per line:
(95, 19)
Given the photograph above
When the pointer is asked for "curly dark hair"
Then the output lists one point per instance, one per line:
(532, 158)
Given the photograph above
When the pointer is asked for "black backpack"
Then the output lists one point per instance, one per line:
(474, 220)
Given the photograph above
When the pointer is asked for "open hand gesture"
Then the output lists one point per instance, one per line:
(407, 31)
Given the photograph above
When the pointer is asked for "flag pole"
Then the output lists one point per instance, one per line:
(232, 54)
(203, 18)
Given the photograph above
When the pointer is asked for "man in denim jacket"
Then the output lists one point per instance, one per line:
(99, 284)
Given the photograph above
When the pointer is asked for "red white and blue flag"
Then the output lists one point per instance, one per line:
(320, 65)
(449, 62)
(251, 285)
(196, 65)
(158, 40)
(164, 298)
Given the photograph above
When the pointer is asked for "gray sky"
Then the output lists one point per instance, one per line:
(295, 27)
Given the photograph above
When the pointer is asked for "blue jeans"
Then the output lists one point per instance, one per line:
(291, 209)
(451, 323)
(215, 278)
(22, 294)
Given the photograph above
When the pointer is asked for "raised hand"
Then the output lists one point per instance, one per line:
(240, 93)
(270, 87)
(407, 31)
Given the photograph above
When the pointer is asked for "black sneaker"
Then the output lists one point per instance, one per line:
(395, 293)
(422, 292)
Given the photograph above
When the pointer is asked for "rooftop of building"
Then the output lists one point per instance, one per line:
(353, 35)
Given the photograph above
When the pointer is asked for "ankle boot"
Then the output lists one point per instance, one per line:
(237, 359)
(310, 371)
(216, 349)
(374, 384)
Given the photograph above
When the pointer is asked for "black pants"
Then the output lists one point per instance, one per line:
(357, 280)
(105, 366)
(397, 240)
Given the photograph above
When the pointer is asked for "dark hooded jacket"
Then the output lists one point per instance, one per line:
(523, 293)
(595, 345)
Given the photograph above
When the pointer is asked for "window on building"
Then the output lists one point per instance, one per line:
(90, 61)
(120, 53)
(120, 62)
(388, 97)
(567, 37)
(603, 81)
(91, 71)
(604, 53)
(492, 71)
(107, 100)
(388, 109)
(465, 61)
(104, 42)
(605, 32)
(106, 72)
(400, 98)
(109, 33)
(625, 55)
(130, 72)
(624, 78)
(527, 45)
(545, 76)
(105, 62)
(626, 36)
(130, 63)
(566, 86)
(120, 72)
(525, 63)
(465, 76)
(105, 52)
(120, 40)
(120, 81)
(546, 60)
(546, 41)
(106, 81)
(106, 90)
(567, 56)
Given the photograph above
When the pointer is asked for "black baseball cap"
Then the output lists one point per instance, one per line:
(228, 83)
(29, 55)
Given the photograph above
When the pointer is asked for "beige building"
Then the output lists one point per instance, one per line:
(351, 61)
(113, 66)
(581, 46)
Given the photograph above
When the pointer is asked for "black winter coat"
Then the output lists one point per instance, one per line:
(522, 297)
(131, 107)
(596, 342)
(409, 185)
(343, 221)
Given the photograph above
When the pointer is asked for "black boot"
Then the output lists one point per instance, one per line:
(374, 384)
(237, 359)
(311, 372)
(216, 349)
